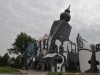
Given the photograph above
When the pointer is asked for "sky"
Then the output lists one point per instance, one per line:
(35, 18)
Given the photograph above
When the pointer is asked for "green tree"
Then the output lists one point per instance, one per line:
(13, 59)
(12, 62)
(20, 44)
(5, 59)
(0, 57)
(17, 63)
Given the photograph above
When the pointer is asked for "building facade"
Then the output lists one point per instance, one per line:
(39, 57)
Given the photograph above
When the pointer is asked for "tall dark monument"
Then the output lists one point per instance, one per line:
(60, 30)
(93, 62)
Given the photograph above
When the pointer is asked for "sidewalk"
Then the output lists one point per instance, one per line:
(32, 72)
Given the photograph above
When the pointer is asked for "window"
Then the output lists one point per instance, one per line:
(58, 59)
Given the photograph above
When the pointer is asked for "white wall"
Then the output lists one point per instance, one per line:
(84, 57)
(63, 69)
(60, 64)
(65, 45)
(44, 52)
(38, 52)
(50, 55)
(52, 68)
(58, 43)
(49, 42)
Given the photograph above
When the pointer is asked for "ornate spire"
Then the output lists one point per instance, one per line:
(68, 9)
(66, 15)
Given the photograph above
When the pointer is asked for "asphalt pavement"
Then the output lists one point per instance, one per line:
(27, 72)
(32, 72)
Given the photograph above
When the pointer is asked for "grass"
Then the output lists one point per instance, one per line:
(7, 70)
(59, 73)
(55, 73)
(73, 71)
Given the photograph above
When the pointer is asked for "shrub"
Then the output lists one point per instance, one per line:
(55, 73)
(7, 70)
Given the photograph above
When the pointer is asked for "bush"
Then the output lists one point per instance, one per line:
(55, 73)
(7, 70)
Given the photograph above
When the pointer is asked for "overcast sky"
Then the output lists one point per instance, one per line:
(35, 17)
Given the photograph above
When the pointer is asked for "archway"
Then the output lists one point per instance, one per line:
(43, 65)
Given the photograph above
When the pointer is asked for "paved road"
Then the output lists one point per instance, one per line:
(27, 72)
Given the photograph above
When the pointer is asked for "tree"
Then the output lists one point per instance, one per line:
(5, 59)
(20, 44)
(12, 62)
(13, 59)
(18, 63)
(0, 60)
(0, 57)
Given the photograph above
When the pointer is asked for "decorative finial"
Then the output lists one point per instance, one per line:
(66, 14)
(78, 34)
(68, 9)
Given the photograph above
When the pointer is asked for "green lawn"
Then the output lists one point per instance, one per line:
(54, 73)
(58, 73)
(7, 70)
